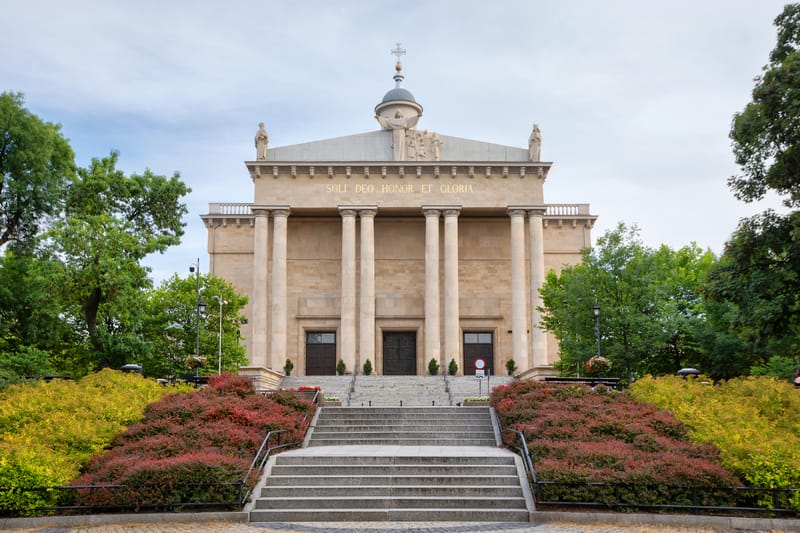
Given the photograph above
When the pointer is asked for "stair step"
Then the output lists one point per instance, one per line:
(402, 442)
(380, 480)
(389, 515)
(453, 491)
(383, 502)
(285, 459)
(388, 469)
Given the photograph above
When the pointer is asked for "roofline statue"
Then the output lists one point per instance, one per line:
(261, 141)
(535, 144)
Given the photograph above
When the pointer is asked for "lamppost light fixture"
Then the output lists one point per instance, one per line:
(596, 309)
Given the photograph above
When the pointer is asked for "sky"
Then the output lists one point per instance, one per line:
(634, 99)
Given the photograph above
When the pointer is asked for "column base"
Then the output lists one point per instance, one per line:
(262, 378)
(538, 373)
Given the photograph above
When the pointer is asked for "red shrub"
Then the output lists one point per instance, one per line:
(577, 434)
(207, 436)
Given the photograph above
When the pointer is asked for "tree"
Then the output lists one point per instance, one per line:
(36, 164)
(111, 222)
(170, 326)
(760, 269)
(652, 313)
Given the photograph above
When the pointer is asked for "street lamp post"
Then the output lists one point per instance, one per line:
(200, 310)
(596, 311)
(219, 335)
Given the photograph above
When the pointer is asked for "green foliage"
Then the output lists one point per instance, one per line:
(49, 431)
(36, 163)
(169, 326)
(760, 270)
(367, 367)
(452, 368)
(340, 367)
(288, 366)
(511, 366)
(433, 367)
(652, 317)
(753, 421)
(778, 367)
(111, 223)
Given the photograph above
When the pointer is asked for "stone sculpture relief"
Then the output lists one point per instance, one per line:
(261, 141)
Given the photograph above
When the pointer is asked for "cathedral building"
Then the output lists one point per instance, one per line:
(396, 246)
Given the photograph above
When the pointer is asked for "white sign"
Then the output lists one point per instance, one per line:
(479, 374)
(480, 364)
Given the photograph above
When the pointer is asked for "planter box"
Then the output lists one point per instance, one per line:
(332, 403)
(475, 403)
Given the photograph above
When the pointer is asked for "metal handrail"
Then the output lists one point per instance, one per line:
(351, 389)
(447, 389)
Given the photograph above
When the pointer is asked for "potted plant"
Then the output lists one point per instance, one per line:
(433, 367)
(452, 368)
(340, 367)
(288, 366)
(367, 368)
(511, 366)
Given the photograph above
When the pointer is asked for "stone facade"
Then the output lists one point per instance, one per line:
(395, 252)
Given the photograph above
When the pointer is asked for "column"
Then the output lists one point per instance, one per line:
(451, 324)
(366, 328)
(347, 327)
(258, 350)
(537, 280)
(519, 314)
(279, 307)
(433, 343)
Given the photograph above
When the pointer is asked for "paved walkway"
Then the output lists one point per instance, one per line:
(370, 527)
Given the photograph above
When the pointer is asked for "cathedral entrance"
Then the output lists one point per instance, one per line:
(478, 345)
(321, 353)
(399, 353)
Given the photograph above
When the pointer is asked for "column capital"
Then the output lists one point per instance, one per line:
(451, 211)
(347, 211)
(431, 211)
(367, 212)
(537, 211)
(260, 210)
(516, 212)
(283, 211)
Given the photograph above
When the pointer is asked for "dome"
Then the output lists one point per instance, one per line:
(398, 93)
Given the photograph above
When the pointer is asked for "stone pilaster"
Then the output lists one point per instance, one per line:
(452, 331)
(537, 280)
(519, 314)
(433, 342)
(347, 327)
(259, 305)
(279, 304)
(366, 328)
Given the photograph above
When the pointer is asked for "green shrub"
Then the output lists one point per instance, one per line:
(367, 367)
(433, 367)
(340, 367)
(452, 368)
(49, 431)
(752, 420)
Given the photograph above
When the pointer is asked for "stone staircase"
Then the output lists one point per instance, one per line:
(404, 426)
(382, 463)
(477, 484)
(396, 391)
